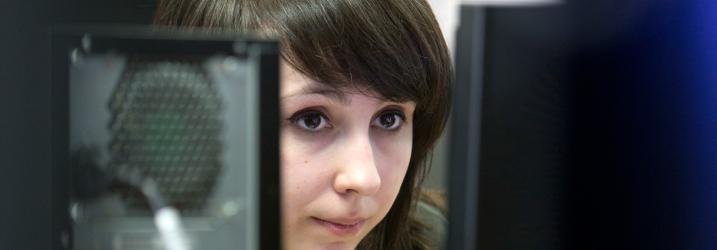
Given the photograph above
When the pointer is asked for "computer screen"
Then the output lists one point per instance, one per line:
(584, 125)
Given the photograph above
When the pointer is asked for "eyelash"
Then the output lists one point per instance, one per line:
(303, 114)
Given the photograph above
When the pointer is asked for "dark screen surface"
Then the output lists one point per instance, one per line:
(525, 128)
(24, 128)
(596, 126)
(25, 104)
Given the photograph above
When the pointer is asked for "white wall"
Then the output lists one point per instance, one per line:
(446, 12)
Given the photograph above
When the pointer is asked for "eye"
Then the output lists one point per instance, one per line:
(311, 121)
(390, 120)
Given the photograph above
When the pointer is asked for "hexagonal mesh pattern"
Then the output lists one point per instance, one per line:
(166, 123)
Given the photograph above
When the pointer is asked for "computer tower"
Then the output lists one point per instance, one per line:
(194, 113)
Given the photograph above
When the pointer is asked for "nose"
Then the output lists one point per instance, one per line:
(357, 168)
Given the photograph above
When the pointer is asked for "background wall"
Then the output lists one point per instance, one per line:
(446, 12)
(25, 168)
(24, 129)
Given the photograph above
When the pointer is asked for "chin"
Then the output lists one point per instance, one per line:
(339, 246)
(342, 245)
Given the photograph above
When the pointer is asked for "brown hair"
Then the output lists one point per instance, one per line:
(392, 47)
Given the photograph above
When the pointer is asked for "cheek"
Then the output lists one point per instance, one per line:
(297, 143)
(302, 177)
(394, 154)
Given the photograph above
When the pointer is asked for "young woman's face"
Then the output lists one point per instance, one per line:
(343, 158)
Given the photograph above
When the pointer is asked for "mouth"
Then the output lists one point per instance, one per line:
(341, 226)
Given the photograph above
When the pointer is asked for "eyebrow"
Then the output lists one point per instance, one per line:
(320, 89)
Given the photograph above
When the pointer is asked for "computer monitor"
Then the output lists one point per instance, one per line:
(164, 139)
(584, 125)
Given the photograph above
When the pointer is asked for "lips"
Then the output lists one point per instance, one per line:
(341, 226)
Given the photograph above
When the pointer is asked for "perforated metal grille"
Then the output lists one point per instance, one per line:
(166, 123)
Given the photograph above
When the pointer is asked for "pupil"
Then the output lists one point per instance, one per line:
(312, 121)
(388, 120)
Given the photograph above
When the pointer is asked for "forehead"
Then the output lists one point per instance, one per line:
(294, 83)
